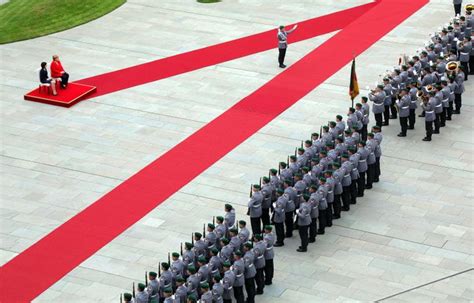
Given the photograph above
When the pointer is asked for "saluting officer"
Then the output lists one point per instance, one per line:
(283, 44)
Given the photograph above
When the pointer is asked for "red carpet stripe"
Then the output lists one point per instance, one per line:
(45, 262)
(219, 53)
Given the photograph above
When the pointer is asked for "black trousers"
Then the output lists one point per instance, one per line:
(239, 293)
(471, 65)
(280, 233)
(281, 55)
(265, 216)
(458, 102)
(346, 197)
(465, 65)
(364, 132)
(429, 128)
(450, 110)
(393, 109)
(377, 169)
(227, 301)
(64, 79)
(269, 269)
(361, 183)
(256, 226)
(250, 289)
(260, 279)
(444, 114)
(404, 125)
(437, 122)
(353, 191)
(412, 118)
(322, 220)
(386, 113)
(313, 229)
(370, 175)
(457, 9)
(336, 206)
(378, 120)
(329, 215)
(289, 224)
(303, 231)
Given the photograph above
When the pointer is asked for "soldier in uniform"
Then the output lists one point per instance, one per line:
(255, 209)
(229, 218)
(304, 220)
(177, 266)
(259, 248)
(464, 55)
(354, 159)
(239, 279)
(446, 91)
(403, 105)
(204, 270)
(330, 183)
(314, 200)
(206, 296)
(193, 281)
(127, 297)
(429, 118)
(323, 205)
(337, 176)
(269, 239)
(387, 88)
(250, 272)
(366, 119)
(188, 256)
(168, 292)
(267, 190)
(220, 230)
(142, 295)
(413, 105)
(228, 284)
(378, 150)
(362, 168)
(279, 208)
(378, 97)
(181, 290)
(283, 44)
(346, 167)
(234, 239)
(192, 298)
(166, 278)
(307, 179)
(285, 173)
(200, 247)
(459, 78)
(217, 289)
(227, 250)
(274, 181)
(211, 237)
(215, 262)
(371, 145)
(244, 233)
(153, 287)
(290, 192)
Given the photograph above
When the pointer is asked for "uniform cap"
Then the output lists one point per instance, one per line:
(308, 142)
(301, 149)
(175, 254)
(188, 245)
(328, 172)
(266, 179)
(273, 171)
(141, 286)
(315, 159)
(248, 245)
(293, 157)
(197, 235)
(283, 164)
(348, 132)
(314, 135)
(242, 222)
(268, 227)
(127, 296)
(313, 187)
(256, 186)
(337, 165)
(180, 279)
(152, 274)
(233, 230)
(220, 219)
(211, 226)
(344, 155)
(280, 191)
(214, 251)
(323, 152)
(370, 134)
(238, 253)
(306, 197)
(192, 298)
(217, 277)
(228, 206)
(168, 290)
(165, 265)
(191, 269)
(225, 240)
(258, 237)
(325, 127)
(299, 175)
(322, 179)
(202, 259)
(226, 264)
(305, 169)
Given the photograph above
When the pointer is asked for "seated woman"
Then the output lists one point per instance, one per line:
(57, 71)
(43, 75)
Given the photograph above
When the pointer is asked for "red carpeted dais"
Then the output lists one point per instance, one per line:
(74, 93)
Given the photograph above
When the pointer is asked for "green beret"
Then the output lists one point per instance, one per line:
(188, 245)
(362, 143)
(198, 235)
(204, 285)
(273, 171)
(175, 255)
(226, 264)
(152, 274)
(280, 191)
(256, 186)
(168, 290)
(376, 127)
(191, 269)
(248, 245)
(328, 172)
(322, 179)
(314, 135)
(220, 219)
(299, 175)
(336, 165)
(258, 237)
(238, 253)
(211, 226)
(233, 230)
(332, 122)
(305, 169)
(348, 132)
(165, 265)
(217, 277)
(308, 142)
(306, 197)
(301, 149)
(329, 144)
(313, 187)
(242, 222)
(266, 179)
(225, 240)
(283, 164)
(214, 251)
(293, 157)
(192, 298)
(228, 206)
(202, 259)
(315, 159)
(351, 148)
(127, 296)
(268, 227)
(141, 286)
(180, 279)
(325, 127)
(370, 134)
(323, 152)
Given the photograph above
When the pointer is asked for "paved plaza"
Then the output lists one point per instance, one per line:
(409, 239)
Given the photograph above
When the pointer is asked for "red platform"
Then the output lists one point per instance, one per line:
(74, 93)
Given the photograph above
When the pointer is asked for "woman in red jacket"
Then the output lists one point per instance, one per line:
(57, 71)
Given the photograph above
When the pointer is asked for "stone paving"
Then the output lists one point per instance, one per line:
(410, 239)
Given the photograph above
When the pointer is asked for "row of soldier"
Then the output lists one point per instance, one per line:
(214, 267)
(325, 176)
(435, 78)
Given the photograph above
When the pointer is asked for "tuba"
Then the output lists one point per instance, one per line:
(469, 7)
(452, 66)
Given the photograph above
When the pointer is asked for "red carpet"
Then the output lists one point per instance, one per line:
(41, 265)
(74, 93)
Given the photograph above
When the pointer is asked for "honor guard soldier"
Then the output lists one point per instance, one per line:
(192, 298)
(279, 208)
(362, 168)
(404, 107)
(438, 97)
(283, 44)
(354, 159)
(250, 272)
(204, 270)
(323, 205)
(314, 202)
(220, 230)
(244, 233)
(459, 78)
(166, 279)
(181, 290)
(234, 239)
(413, 105)
(330, 183)
(188, 256)
(333, 130)
(177, 266)
(267, 191)
(348, 139)
(142, 295)
(429, 118)
(259, 248)
(193, 281)
(217, 289)
(285, 173)
(255, 209)
(290, 192)
(293, 166)
(228, 283)
(446, 91)
(309, 151)
(211, 236)
(229, 218)
(227, 250)
(346, 180)
(206, 296)
(274, 180)
(453, 86)
(215, 262)
(371, 145)
(316, 170)
(304, 220)
(300, 185)
(238, 270)
(269, 239)
(387, 88)
(337, 176)
(378, 136)
(366, 119)
(378, 98)
(200, 247)
(465, 54)
(340, 125)
(153, 287)
(168, 292)
(301, 158)
(306, 176)
(127, 297)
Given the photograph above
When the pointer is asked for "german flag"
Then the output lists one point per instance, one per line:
(354, 86)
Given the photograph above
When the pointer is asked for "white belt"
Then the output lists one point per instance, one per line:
(439, 105)
(348, 175)
(238, 276)
(405, 107)
(376, 104)
(429, 112)
(363, 160)
(451, 93)
(445, 100)
(251, 265)
(229, 288)
(260, 257)
(269, 248)
(354, 169)
(462, 53)
(330, 192)
(413, 101)
(257, 205)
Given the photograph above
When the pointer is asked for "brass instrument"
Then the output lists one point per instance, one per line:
(469, 7)
(452, 66)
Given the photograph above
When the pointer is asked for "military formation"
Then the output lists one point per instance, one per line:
(434, 78)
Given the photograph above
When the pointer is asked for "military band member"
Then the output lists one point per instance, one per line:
(244, 233)
(267, 191)
(446, 91)
(259, 247)
(453, 86)
(459, 78)
(142, 295)
(269, 239)
(403, 105)
(323, 205)
(168, 292)
(206, 296)
(228, 284)
(387, 88)
(362, 168)
(250, 272)
(354, 159)
(465, 49)
(238, 271)
(153, 288)
(330, 183)
(217, 289)
(290, 207)
(413, 104)
(255, 209)
(181, 290)
(378, 98)
(314, 200)
(304, 220)
(229, 217)
(429, 118)
(279, 209)
(346, 167)
(371, 145)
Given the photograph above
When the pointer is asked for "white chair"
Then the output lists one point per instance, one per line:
(45, 86)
